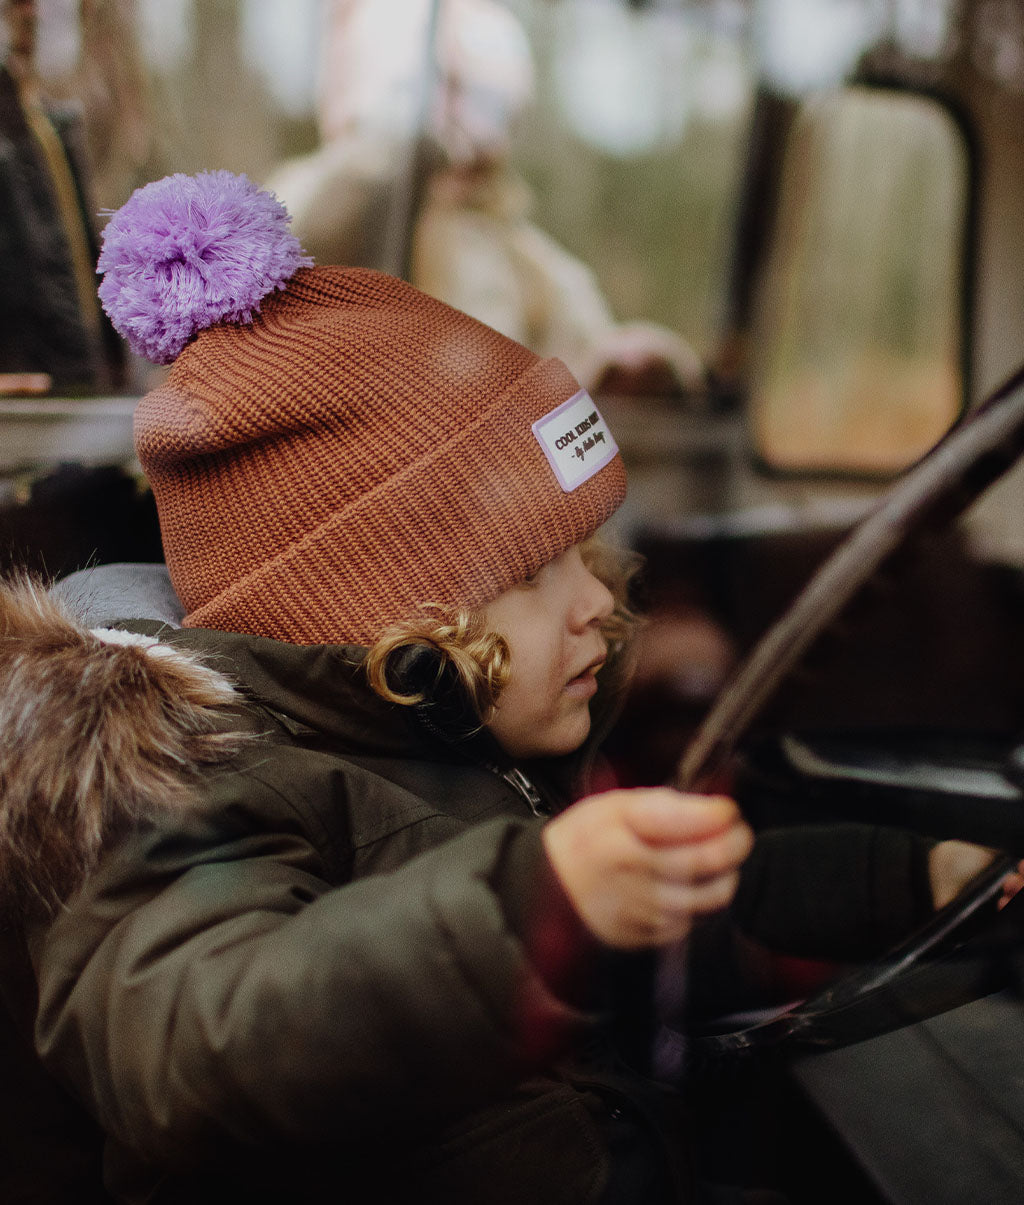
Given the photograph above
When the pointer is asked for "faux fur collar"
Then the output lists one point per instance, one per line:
(98, 729)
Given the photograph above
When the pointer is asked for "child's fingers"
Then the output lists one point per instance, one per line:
(1012, 884)
(703, 861)
(661, 816)
(639, 865)
(666, 912)
(691, 899)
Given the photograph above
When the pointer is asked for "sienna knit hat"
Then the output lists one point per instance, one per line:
(332, 448)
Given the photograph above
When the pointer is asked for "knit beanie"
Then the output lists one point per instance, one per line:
(332, 449)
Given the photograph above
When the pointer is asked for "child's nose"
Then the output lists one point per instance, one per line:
(593, 602)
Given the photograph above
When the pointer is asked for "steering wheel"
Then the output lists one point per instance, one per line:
(928, 973)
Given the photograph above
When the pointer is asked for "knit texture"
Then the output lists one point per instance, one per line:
(188, 251)
(361, 449)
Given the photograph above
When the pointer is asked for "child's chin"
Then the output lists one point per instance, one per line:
(538, 740)
(561, 743)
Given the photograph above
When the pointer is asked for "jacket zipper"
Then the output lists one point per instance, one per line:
(514, 777)
(519, 783)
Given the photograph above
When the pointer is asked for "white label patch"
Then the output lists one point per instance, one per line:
(576, 440)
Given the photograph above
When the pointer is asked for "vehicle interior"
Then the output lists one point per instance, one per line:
(790, 236)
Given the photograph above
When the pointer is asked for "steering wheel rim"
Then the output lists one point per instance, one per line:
(973, 455)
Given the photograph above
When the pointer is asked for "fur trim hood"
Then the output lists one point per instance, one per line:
(99, 728)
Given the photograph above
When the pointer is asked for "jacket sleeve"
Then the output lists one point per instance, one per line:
(811, 899)
(210, 985)
(844, 892)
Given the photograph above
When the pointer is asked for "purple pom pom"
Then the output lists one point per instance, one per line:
(186, 252)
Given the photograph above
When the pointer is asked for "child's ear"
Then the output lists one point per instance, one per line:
(446, 708)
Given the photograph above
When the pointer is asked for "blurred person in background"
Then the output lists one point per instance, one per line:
(55, 336)
(417, 110)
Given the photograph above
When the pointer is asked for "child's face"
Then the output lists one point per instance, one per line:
(552, 625)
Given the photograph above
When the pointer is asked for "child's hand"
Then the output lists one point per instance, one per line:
(952, 864)
(1013, 884)
(640, 865)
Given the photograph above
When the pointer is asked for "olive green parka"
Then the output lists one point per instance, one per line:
(342, 972)
(316, 952)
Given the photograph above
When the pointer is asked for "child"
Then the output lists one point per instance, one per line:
(362, 956)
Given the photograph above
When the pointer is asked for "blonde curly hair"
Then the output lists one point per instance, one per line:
(479, 659)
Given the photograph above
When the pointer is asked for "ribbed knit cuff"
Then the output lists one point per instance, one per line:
(837, 891)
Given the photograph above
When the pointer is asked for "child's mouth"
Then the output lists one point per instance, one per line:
(585, 682)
